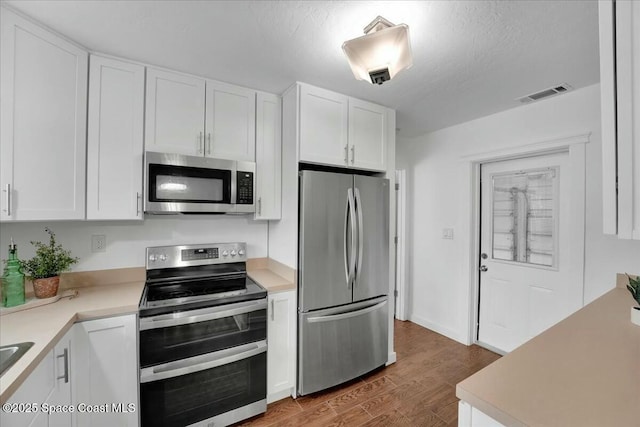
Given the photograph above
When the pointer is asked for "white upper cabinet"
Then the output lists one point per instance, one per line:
(367, 135)
(268, 156)
(174, 113)
(115, 139)
(620, 100)
(230, 122)
(323, 126)
(337, 130)
(43, 123)
(197, 117)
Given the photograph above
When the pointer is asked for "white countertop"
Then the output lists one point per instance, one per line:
(584, 371)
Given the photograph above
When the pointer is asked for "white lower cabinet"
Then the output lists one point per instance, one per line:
(281, 339)
(48, 386)
(106, 372)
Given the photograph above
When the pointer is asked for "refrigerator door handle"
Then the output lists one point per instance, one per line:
(347, 315)
(360, 236)
(352, 254)
(347, 265)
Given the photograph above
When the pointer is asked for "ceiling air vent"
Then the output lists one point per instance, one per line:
(552, 91)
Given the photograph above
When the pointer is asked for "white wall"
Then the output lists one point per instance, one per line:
(438, 196)
(126, 241)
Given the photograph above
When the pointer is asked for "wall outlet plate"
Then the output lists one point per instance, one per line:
(447, 233)
(98, 243)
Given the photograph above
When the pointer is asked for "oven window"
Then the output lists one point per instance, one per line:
(171, 343)
(183, 184)
(197, 396)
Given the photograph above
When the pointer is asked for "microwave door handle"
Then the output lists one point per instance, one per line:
(202, 362)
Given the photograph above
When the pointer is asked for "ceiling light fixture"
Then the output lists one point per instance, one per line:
(381, 53)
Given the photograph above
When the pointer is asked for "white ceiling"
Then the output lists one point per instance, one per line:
(471, 58)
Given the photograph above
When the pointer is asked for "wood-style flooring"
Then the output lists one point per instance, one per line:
(417, 390)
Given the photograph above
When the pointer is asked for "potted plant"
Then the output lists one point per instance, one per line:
(45, 267)
(634, 288)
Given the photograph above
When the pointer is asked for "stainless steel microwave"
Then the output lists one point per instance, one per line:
(176, 183)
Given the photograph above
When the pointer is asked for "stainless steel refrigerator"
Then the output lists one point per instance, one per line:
(343, 278)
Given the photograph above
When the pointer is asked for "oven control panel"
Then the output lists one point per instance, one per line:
(193, 255)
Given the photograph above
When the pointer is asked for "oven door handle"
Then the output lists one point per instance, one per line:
(202, 315)
(202, 362)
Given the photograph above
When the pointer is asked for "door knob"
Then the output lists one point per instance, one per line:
(483, 256)
(483, 268)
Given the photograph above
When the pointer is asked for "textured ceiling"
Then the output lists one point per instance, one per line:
(471, 58)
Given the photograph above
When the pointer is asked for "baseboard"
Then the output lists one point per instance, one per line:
(438, 328)
(391, 359)
(274, 397)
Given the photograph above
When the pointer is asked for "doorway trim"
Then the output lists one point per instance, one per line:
(401, 245)
(575, 145)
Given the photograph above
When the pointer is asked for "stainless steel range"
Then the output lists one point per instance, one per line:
(203, 330)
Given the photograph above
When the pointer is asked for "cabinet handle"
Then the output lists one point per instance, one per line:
(200, 144)
(259, 205)
(138, 198)
(8, 191)
(346, 154)
(65, 355)
(209, 143)
(273, 310)
(353, 153)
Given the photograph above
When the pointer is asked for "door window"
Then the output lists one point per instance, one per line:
(524, 217)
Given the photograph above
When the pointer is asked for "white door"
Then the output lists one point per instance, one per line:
(367, 135)
(174, 113)
(529, 274)
(230, 122)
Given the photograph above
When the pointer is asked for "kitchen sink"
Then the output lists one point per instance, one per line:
(9, 354)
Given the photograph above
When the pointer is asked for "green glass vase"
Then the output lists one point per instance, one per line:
(12, 280)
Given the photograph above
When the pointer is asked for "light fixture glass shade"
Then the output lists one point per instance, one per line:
(387, 48)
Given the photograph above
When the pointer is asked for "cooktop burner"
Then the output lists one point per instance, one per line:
(181, 278)
(210, 286)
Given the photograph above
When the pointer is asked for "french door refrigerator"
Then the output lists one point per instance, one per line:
(343, 280)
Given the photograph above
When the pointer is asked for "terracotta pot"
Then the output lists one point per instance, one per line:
(46, 288)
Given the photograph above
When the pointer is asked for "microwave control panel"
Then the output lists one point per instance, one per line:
(245, 188)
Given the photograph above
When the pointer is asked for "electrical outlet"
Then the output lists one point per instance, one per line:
(447, 233)
(98, 243)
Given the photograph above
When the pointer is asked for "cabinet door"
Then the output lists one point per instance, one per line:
(174, 113)
(268, 156)
(627, 28)
(323, 126)
(115, 139)
(367, 135)
(107, 371)
(620, 110)
(43, 80)
(281, 338)
(230, 122)
(36, 389)
(61, 395)
(50, 384)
